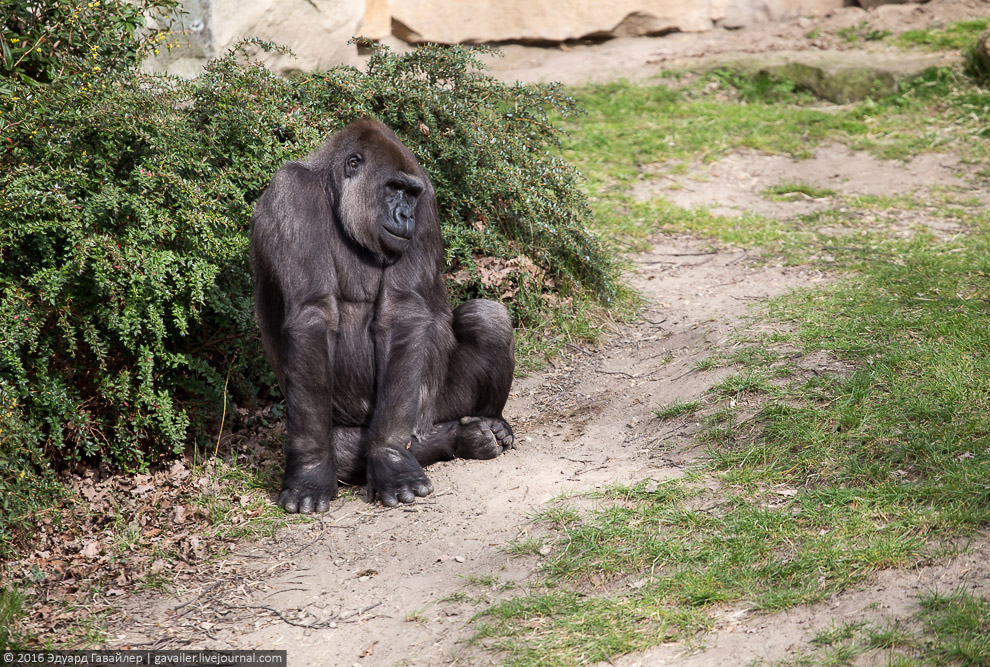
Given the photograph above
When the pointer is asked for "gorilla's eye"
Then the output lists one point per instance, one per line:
(353, 162)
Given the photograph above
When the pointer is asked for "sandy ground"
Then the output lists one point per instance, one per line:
(366, 585)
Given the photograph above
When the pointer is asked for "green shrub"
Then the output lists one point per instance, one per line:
(125, 291)
(45, 41)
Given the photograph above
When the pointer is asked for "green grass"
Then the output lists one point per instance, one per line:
(862, 32)
(628, 127)
(11, 608)
(677, 409)
(953, 37)
(789, 191)
(829, 477)
(959, 627)
(836, 479)
(631, 132)
(950, 630)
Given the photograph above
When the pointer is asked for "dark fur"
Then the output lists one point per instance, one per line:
(380, 377)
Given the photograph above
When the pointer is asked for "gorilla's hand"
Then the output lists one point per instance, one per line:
(308, 488)
(395, 476)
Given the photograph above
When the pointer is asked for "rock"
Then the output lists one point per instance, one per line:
(317, 31)
(741, 13)
(869, 4)
(457, 21)
(377, 19)
(843, 76)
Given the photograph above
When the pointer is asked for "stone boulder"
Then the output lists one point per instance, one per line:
(843, 76)
(317, 31)
(457, 21)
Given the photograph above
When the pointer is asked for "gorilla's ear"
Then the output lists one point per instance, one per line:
(353, 164)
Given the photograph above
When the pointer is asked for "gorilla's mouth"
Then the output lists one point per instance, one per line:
(398, 230)
(398, 234)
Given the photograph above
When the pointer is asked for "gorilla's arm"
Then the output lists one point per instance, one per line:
(298, 313)
(412, 342)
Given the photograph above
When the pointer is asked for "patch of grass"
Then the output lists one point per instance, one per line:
(862, 32)
(709, 363)
(752, 356)
(836, 634)
(628, 126)
(882, 202)
(524, 547)
(11, 608)
(958, 627)
(630, 130)
(489, 581)
(249, 512)
(735, 386)
(678, 409)
(744, 230)
(953, 37)
(790, 191)
(944, 630)
(566, 628)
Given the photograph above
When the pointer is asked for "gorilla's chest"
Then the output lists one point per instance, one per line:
(354, 363)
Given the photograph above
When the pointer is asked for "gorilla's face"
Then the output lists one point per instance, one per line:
(380, 190)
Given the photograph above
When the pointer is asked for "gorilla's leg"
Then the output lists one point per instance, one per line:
(467, 438)
(469, 421)
(478, 380)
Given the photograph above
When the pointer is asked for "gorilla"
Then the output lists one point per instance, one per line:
(380, 377)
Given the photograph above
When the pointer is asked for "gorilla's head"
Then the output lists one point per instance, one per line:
(379, 184)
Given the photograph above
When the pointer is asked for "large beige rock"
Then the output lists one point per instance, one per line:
(458, 21)
(741, 13)
(454, 21)
(317, 31)
(377, 19)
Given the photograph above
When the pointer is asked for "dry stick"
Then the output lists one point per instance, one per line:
(323, 530)
(224, 416)
(685, 254)
(322, 625)
(620, 373)
(684, 374)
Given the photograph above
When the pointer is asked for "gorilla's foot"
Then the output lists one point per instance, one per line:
(395, 476)
(483, 438)
(308, 489)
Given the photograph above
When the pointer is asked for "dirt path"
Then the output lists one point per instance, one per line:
(369, 581)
